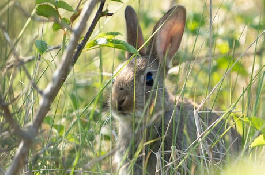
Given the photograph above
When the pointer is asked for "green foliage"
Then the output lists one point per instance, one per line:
(258, 124)
(48, 120)
(226, 61)
(106, 40)
(47, 11)
(44, 1)
(60, 129)
(79, 128)
(195, 21)
(259, 141)
(41, 46)
(57, 4)
(117, 1)
(57, 26)
(63, 5)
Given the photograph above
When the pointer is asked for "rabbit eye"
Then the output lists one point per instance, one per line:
(113, 80)
(149, 79)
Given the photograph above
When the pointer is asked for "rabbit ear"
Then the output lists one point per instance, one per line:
(134, 36)
(169, 29)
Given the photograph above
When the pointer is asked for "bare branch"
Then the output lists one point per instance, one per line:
(10, 119)
(8, 5)
(81, 46)
(23, 60)
(78, 5)
(16, 55)
(52, 89)
(14, 63)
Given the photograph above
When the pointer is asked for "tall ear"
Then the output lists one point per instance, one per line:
(169, 30)
(134, 31)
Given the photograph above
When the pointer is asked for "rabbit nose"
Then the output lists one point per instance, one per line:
(120, 102)
(119, 97)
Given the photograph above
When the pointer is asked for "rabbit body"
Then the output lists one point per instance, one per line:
(148, 115)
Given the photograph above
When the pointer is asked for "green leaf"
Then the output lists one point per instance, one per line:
(56, 26)
(64, 5)
(59, 128)
(117, 1)
(223, 62)
(41, 46)
(44, 1)
(194, 22)
(48, 120)
(257, 123)
(223, 47)
(46, 11)
(65, 21)
(72, 138)
(74, 100)
(106, 40)
(259, 141)
(113, 43)
(108, 35)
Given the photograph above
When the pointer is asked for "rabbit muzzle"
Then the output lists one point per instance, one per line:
(120, 99)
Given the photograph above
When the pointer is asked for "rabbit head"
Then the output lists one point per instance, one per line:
(134, 84)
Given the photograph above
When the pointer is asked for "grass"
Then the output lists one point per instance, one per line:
(79, 128)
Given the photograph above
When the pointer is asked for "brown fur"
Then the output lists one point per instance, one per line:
(152, 109)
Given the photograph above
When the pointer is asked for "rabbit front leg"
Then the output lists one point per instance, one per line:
(127, 166)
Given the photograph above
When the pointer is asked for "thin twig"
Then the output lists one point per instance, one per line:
(81, 46)
(14, 63)
(8, 5)
(10, 119)
(16, 55)
(78, 5)
(51, 90)
(210, 47)
(23, 60)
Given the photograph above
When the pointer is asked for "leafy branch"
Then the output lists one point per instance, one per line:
(52, 89)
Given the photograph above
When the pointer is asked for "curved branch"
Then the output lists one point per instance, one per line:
(51, 90)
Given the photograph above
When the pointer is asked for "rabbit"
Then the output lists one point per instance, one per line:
(150, 120)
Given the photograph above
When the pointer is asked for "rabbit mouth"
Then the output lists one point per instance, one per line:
(127, 114)
(119, 109)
